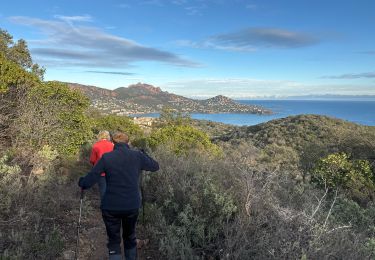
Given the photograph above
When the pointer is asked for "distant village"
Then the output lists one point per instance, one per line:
(124, 108)
(141, 99)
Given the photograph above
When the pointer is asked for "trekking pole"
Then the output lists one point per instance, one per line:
(143, 199)
(79, 226)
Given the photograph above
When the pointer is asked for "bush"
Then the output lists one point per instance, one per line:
(171, 117)
(337, 171)
(9, 186)
(115, 123)
(202, 207)
(348, 211)
(35, 213)
(14, 83)
(192, 204)
(279, 157)
(44, 161)
(53, 115)
(182, 138)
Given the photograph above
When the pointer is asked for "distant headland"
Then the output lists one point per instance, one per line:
(143, 98)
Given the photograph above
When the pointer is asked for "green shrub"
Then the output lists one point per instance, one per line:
(115, 123)
(48, 248)
(12, 75)
(34, 213)
(6, 169)
(279, 157)
(182, 138)
(171, 117)
(44, 161)
(201, 208)
(361, 218)
(54, 115)
(10, 185)
(369, 247)
(353, 176)
(18, 53)
(15, 59)
(193, 205)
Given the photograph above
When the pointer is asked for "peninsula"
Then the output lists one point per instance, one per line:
(143, 98)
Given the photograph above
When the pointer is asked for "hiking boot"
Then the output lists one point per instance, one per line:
(131, 254)
(114, 256)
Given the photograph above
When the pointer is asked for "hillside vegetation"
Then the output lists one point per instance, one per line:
(311, 136)
(304, 130)
(301, 187)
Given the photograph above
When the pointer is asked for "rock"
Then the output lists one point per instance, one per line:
(68, 255)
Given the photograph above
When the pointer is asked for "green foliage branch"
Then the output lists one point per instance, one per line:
(338, 171)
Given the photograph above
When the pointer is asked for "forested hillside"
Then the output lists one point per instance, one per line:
(301, 187)
(310, 136)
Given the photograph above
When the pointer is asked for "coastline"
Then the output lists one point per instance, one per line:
(360, 112)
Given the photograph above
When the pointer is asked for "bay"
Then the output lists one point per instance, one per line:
(361, 112)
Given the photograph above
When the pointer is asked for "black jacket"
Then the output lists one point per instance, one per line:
(122, 167)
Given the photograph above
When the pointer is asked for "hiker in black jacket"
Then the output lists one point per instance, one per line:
(121, 201)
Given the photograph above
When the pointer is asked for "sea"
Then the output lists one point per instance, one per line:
(360, 112)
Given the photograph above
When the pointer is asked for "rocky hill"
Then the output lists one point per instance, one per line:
(144, 98)
(225, 104)
(93, 92)
(153, 97)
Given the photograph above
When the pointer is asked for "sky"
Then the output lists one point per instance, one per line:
(202, 48)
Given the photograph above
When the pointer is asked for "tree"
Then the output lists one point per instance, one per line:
(12, 75)
(14, 84)
(19, 53)
(35, 113)
(17, 75)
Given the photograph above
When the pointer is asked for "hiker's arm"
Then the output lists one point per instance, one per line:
(148, 164)
(93, 176)
(93, 156)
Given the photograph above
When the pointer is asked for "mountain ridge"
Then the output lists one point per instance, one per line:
(143, 98)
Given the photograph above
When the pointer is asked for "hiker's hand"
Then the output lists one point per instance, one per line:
(80, 183)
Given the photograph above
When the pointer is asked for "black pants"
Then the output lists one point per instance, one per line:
(113, 221)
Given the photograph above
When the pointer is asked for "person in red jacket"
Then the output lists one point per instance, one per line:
(122, 199)
(102, 146)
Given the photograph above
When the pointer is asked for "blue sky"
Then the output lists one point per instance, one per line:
(196, 48)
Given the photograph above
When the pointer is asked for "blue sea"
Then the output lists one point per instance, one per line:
(361, 112)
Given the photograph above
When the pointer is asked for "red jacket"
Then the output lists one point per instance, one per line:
(98, 149)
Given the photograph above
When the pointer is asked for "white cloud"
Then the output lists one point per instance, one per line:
(252, 39)
(121, 73)
(251, 88)
(266, 38)
(209, 44)
(65, 42)
(352, 76)
(82, 18)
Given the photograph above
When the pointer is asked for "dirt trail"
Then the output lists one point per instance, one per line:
(94, 238)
